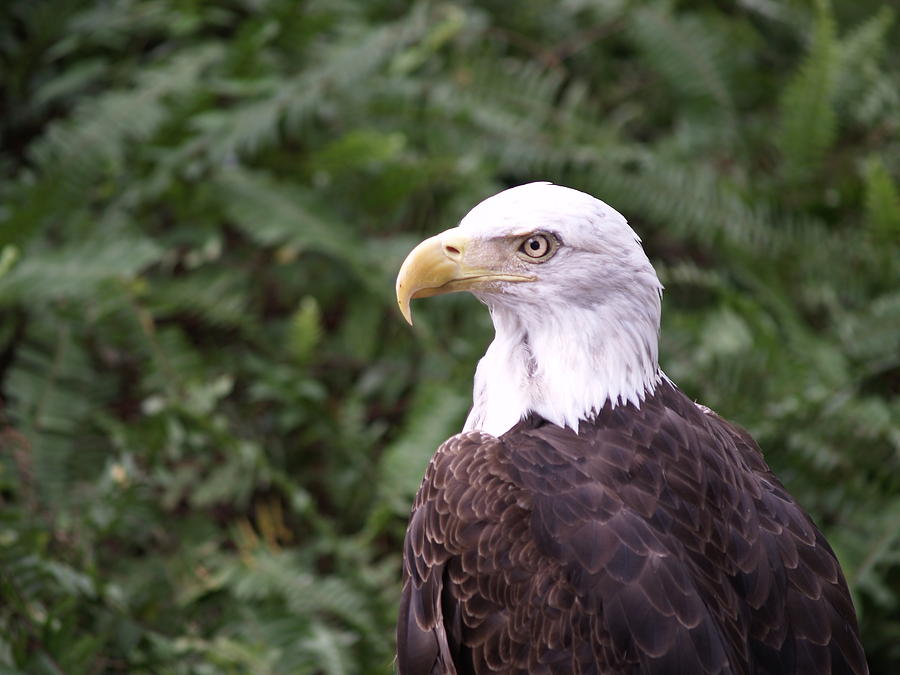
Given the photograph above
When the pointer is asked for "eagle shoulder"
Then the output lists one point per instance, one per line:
(456, 518)
(802, 615)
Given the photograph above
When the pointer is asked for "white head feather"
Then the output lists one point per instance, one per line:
(585, 332)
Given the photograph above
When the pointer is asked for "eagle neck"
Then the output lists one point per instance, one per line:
(565, 365)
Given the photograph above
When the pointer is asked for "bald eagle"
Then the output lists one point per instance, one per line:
(591, 518)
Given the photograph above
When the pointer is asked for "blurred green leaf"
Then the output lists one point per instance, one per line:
(808, 119)
(213, 419)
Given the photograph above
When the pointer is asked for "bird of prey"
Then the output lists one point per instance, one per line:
(591, 518)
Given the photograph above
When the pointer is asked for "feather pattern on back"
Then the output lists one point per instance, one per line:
(654, 540)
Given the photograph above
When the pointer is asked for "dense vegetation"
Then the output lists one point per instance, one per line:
(213, 419)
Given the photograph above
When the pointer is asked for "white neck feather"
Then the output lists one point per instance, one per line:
(565, 366)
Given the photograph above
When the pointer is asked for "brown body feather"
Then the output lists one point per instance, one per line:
(655, 540)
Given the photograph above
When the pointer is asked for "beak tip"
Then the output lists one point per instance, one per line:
(407, 315)
(403, 300)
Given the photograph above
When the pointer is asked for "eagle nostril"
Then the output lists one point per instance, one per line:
(451, 251)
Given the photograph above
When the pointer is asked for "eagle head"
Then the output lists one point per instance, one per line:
(574, 300)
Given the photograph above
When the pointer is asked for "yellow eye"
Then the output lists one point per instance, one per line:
(538, 247)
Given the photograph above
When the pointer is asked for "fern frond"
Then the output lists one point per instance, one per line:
(78, 271)
(808, 119)
(435, 414)
(330, 647)
(74, 154)
(48, 407)
(867, 549)
(882, 203)
(218, 296)
(858, 55)
(273, 213)
(529, 119)
(688, 55)
(284, 107)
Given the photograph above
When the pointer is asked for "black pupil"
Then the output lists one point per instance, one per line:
(535, 244)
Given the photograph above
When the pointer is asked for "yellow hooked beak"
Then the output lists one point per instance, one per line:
(445, 263)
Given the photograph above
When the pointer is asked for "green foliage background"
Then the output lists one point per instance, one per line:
(213, 419)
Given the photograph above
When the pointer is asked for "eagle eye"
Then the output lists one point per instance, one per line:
(538, 247)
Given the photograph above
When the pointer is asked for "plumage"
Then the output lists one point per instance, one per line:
(628, 531)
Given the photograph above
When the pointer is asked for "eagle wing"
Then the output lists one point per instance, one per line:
(802, 615)
(655, 541)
